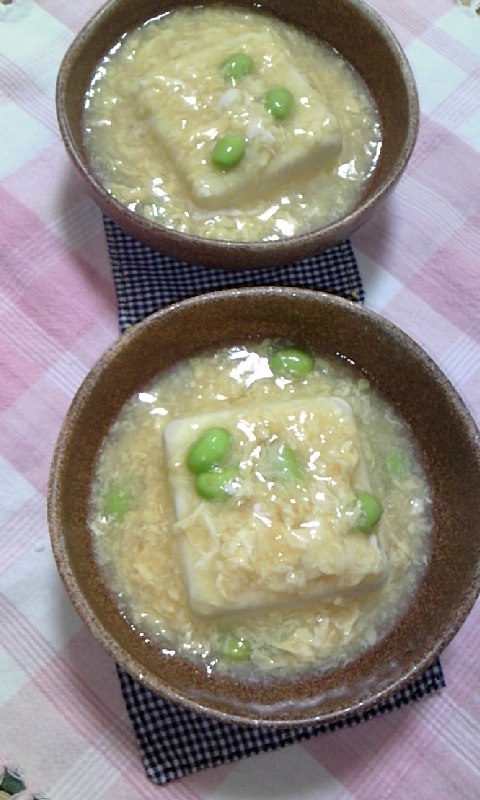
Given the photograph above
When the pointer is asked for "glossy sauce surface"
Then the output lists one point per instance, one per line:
(181, 131)
(338, 586)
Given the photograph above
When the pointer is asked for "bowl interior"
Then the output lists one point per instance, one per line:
(349, 26)
(403, 374)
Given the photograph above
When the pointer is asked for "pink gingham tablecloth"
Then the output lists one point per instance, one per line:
(63, 724)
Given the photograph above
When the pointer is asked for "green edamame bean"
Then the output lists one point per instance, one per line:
(236, 649)
(286, 462)
(291, 361)
(210, 450)
(395, 463)
(279, 462)
(117, 502)
(228, 151)
(237, 65)
(371, 510)
(279, 102)
(214, 485)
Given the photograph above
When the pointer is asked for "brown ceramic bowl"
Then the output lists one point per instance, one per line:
(442, 427)
(350, 26)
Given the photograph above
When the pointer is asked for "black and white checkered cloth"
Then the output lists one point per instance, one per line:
(173, 741)
(146, 281)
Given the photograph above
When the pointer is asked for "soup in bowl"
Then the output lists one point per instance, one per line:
(263, 503)
(237, 137)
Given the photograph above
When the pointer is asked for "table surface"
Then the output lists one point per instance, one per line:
(62, 719)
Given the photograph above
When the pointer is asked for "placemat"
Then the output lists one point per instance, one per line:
(173, 741)
(146, 281)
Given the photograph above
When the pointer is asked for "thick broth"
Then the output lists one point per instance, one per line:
(163, 98)
(137, 535)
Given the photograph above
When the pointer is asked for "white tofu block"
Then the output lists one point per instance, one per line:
(274, 540)
(189, 114)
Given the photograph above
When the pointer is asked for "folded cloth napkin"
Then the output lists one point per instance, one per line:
(173, 741)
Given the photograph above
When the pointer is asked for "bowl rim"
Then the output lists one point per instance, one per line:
(455, 618)
(267, 253)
